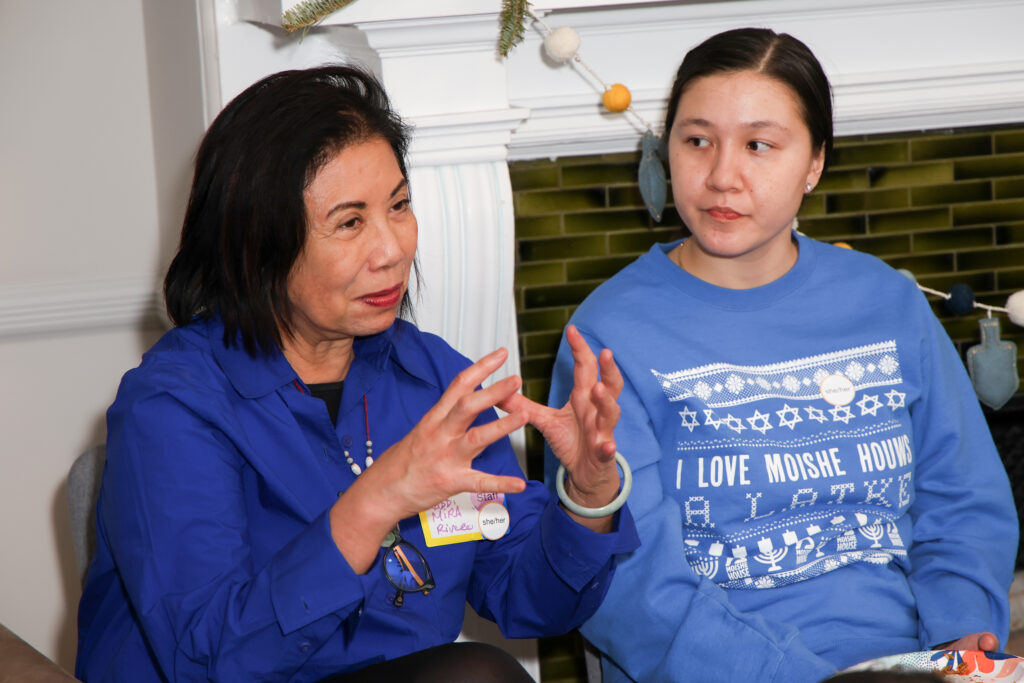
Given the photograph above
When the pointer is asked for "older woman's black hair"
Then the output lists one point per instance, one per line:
(246, 219)
(776, 55)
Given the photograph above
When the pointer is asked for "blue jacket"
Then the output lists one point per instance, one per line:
(215, 559)
(814, 481)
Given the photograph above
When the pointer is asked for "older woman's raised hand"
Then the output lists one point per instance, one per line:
(431, 463)
(581, 433)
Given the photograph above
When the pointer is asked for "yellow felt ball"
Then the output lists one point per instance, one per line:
(616, 98)
(844, 245)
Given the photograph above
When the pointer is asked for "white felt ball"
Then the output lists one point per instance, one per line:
(1015, 307)
(561, 44)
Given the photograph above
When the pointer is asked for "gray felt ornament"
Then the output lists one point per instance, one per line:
(992, 365)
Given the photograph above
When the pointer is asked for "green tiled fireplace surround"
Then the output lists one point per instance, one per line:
(946, 205)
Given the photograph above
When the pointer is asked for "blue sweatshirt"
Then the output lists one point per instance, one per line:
(815, 484)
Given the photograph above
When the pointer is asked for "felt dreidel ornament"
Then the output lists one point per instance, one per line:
(992, 365)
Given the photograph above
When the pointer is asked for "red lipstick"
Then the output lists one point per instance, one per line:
(385, 298)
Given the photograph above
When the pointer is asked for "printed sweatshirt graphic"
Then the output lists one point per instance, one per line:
(814, 447)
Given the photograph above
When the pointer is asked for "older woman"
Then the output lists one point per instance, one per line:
(294, 474)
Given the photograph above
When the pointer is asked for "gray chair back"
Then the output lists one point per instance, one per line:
(83, 489)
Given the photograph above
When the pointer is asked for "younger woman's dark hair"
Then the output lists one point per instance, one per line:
(245, 224)
(776, 55)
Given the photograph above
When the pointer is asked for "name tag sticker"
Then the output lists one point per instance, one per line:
(465, 517)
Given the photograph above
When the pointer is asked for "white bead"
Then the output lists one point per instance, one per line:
(369, 460)
(356, 469)
(561, 44)
(1015, 308)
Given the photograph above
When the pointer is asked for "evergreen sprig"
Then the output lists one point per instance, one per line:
(513, 24)
(309, 13)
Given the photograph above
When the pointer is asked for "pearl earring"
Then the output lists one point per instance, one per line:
(808, 186)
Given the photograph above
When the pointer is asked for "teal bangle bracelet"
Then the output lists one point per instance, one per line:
(604, 510)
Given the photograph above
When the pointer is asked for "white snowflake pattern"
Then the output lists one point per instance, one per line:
(819, 375)
(734, 383)
(789, 416)
(854, 371)
(791, 383)
(869, 405)
(689, 419)
(895, 399)
(841, 414)
(702, 390)
(816, 414)
(888, 364)
(760, 422)
(764, 582)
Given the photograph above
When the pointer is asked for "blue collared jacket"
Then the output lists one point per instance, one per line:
(215, 559)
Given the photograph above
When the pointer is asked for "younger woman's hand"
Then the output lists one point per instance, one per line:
(975, 641)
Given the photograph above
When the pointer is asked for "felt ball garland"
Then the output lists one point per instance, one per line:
(992, 364)
(562, 45)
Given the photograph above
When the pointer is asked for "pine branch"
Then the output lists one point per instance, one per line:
(513, 24)
(310, 12)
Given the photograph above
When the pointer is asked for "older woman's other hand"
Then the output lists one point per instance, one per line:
(581, 433)
(431, 463)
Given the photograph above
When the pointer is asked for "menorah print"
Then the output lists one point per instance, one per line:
(873, 532)
(769, 554)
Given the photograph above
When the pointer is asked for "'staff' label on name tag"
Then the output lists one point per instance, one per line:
(459, 519)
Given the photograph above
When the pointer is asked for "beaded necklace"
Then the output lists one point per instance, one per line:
(356, 469)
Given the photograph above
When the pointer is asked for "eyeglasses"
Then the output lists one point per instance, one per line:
(406, 568)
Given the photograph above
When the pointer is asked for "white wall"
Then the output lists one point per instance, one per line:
(90, 93)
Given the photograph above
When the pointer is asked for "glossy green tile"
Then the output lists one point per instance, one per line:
(1010, 280)
(545, 273)
(950, 146)
(990, 167)
(951, 193)
(833, 227)
(639, 241)
(877, 200)
(832, 180)
(870, 153)
(538, 226)
(913, 175)
(907, 221)
(953, 240)
(536, 368)
(542, 320)
(924, 265)
(1009, 188)
(562, 247)
(625, 196)
(606, 221)
(883, 247)
(537, 390)
(989, 212)
(558, 295)
(541, 343)
(533, 177)
(813, 205)
(1010, 233)
(598, 174)
(1009, 142)
(1004, 257)
(555, 201)
(596, 268)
